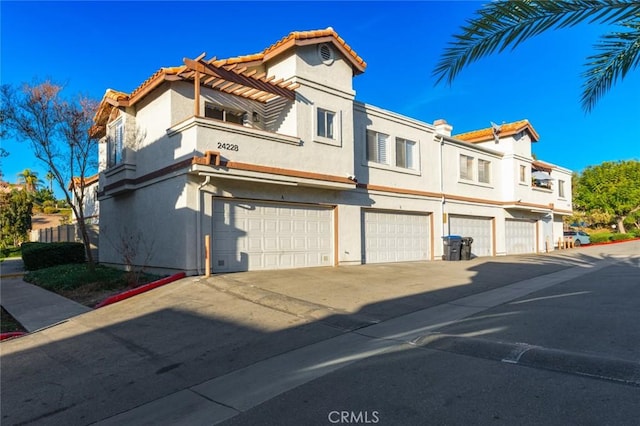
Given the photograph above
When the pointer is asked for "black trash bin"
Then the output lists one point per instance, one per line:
(465, 249)
(451, 245)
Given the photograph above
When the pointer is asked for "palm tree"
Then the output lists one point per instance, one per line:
(29, 179)
(49, 176)
(501, 24)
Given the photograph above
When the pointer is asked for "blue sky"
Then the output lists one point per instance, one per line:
(92, 46)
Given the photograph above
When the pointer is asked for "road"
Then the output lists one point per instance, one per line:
(568, 354)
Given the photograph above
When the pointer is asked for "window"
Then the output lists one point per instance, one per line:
(484, 171)
(523, 174)
(466, 167)
(561, 188)
(325, 123)
(115, 143)
(377, 147)
(218, 113)
(405, 153)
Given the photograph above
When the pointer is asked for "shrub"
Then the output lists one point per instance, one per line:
(10, 252)
(50, 210)
(622, 237)
(42, 255)
(601, 237)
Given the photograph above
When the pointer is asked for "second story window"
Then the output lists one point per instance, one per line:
(466, 167)
(377, 147)
(484, 171)
(115, 143)
(325, 123)
(405, 153)
(561, 189)
(222, 114)
(523, 174)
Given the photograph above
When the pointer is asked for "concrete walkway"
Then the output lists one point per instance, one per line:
(32, 306)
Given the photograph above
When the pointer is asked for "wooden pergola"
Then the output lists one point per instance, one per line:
(234, 79)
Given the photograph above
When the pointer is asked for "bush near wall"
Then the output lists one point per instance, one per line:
(43, 255)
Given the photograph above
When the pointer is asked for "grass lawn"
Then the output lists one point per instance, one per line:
(77, 282)
(8, 323)
(10, 252)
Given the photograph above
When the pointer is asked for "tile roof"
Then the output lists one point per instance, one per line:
(87, 180)
(115, 98)
(506, 129)
(293, 39)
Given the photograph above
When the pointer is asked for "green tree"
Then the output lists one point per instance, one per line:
(50, 177)
(15, 217)
(29, 179)
(503, 24)
(610, 188)
(59, 132)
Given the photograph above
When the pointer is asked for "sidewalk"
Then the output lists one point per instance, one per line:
(32, 306)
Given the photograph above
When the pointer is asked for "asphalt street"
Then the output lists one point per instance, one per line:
(565, 355)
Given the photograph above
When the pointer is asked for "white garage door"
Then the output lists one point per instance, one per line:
(521, 236)
(394, 237)
(478, 228)
(250, 235)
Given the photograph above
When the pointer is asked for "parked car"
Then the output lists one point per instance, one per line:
(579, 237)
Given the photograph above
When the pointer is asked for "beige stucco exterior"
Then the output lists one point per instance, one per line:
(176, 166)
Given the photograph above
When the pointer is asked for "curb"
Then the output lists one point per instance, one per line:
(13, 275)
(606, 243)
(12, 334)
(138, 290)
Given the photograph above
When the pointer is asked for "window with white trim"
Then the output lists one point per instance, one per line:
(223, 114)
(466, 167)
(115, 143)
(561, 189)
(523, 174)
(405, 153)
(484, 171)
(325, 123)
(377, 147)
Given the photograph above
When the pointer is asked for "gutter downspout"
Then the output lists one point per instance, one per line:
(443, 200)
(199, 265)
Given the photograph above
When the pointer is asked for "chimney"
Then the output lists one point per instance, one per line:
(442, 127)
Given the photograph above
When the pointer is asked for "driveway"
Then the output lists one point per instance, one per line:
(188, 334)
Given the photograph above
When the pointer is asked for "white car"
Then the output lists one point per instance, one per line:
(579, 237)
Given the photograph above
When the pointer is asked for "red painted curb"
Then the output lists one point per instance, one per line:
(135, 291)
(606, 243)
(11, 334)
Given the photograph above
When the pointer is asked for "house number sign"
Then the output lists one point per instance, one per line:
(228, 146)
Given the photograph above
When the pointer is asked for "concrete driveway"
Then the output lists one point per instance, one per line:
(132, 359)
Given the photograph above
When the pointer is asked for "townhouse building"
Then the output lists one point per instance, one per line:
(273, 158)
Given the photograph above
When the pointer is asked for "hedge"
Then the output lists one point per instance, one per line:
(622, 237)
(43, 255)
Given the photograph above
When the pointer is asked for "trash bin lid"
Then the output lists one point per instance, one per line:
(452, 237)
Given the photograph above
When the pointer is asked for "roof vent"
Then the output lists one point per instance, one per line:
(326, 54)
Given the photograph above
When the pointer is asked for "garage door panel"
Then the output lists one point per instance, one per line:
(394, 237)
(256, 235)
(520, 236)
(478, 228)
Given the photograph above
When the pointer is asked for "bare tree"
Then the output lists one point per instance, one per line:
(59, 132)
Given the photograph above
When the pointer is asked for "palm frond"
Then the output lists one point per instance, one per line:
(619, 54)
(508, 23)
